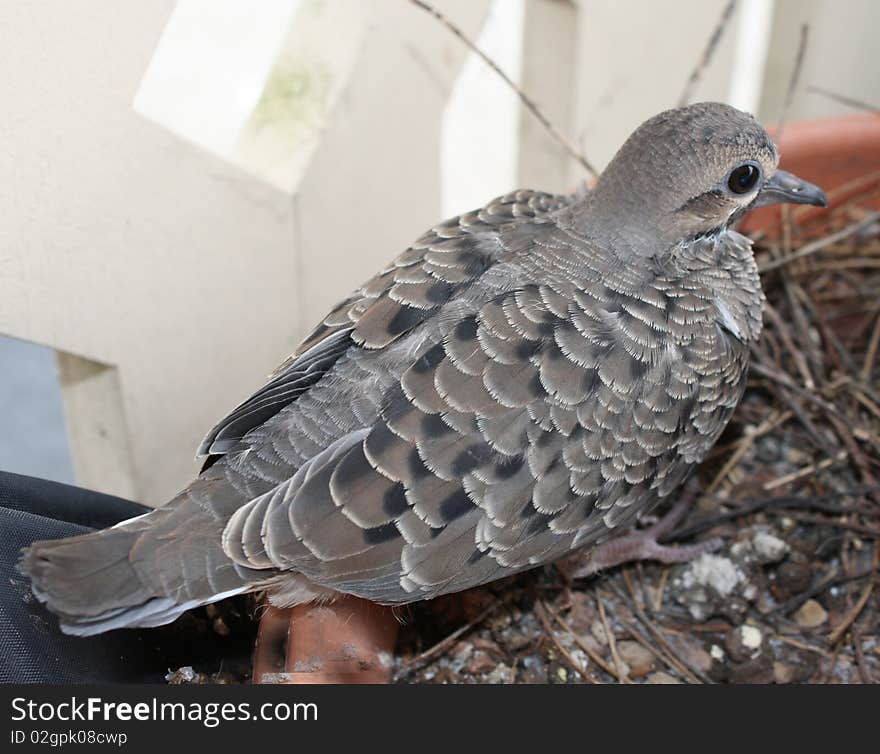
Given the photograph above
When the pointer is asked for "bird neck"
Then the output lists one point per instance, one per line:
(621, 222)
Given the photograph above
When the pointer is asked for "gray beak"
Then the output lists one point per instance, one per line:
(786, 188)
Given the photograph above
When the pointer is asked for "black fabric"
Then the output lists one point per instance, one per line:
(65, 503)
(32, 647)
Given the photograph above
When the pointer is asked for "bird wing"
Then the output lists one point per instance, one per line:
(408, 291)
(313, 409)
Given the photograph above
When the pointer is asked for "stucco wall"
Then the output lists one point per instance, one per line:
(171, 274)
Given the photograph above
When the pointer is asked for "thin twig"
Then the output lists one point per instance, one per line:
(794, 293)
(612, 644)
(809, 518)
(637, 635)
(841, 196)
(446, 642)
(821, 243)
(838, 352)
(850, 617)
(743, 445)
(708, 52)
(831, 665)
(785, 381)
(868, 366)
(822, 504)
(865, 401)
(829, 580)
(661, 589)
(844, 99)
(813, 468)
(788, 341)
(856, 639)
(793, 80)
(690, 675)
(592, 654)
(844, 431)
(527, 101)
(801, 645)
(542, 611)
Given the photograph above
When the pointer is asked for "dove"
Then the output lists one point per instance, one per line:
(522, 384)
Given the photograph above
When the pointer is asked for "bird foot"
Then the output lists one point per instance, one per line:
(347, 641)
(642, 544)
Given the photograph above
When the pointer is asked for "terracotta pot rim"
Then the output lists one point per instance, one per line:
(832, 152)
(809, 123)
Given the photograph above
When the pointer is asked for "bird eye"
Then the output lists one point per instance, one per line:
(743, 179)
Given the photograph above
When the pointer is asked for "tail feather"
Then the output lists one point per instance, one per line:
(86, 576)
(94, 584)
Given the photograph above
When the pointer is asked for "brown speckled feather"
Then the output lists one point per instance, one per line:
(520, 421)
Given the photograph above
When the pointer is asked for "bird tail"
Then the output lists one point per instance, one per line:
(96, 582)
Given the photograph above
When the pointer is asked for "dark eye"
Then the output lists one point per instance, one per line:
(743, 179)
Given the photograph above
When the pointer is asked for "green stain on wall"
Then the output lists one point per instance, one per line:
(292, 102)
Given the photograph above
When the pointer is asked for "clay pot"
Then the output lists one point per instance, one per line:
(841, 155)
(348, 641)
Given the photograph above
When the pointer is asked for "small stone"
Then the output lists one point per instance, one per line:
(582, 613)
(794, 577)
(768, 450)
(499, 621)
(590, 641)
(562, 674)
(487, 645)
(220, 627)
(709, 585)
(717, 653)
(640, 660)
(765, 603)
(735, 609)
(462, 651)
(661, 677)
(480, 662)
(783, 673)
(183, 675)
(533, 670)
(769, 548)
(717, 572)
(756, 670)
(515, 641)
(598, 630)
(696, 656)
(580, 658)
(744, 643)
(502, 674)
(810, 615)
(751, 637)
(797, 457)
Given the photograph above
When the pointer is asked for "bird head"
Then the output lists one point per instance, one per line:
(686, 173)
